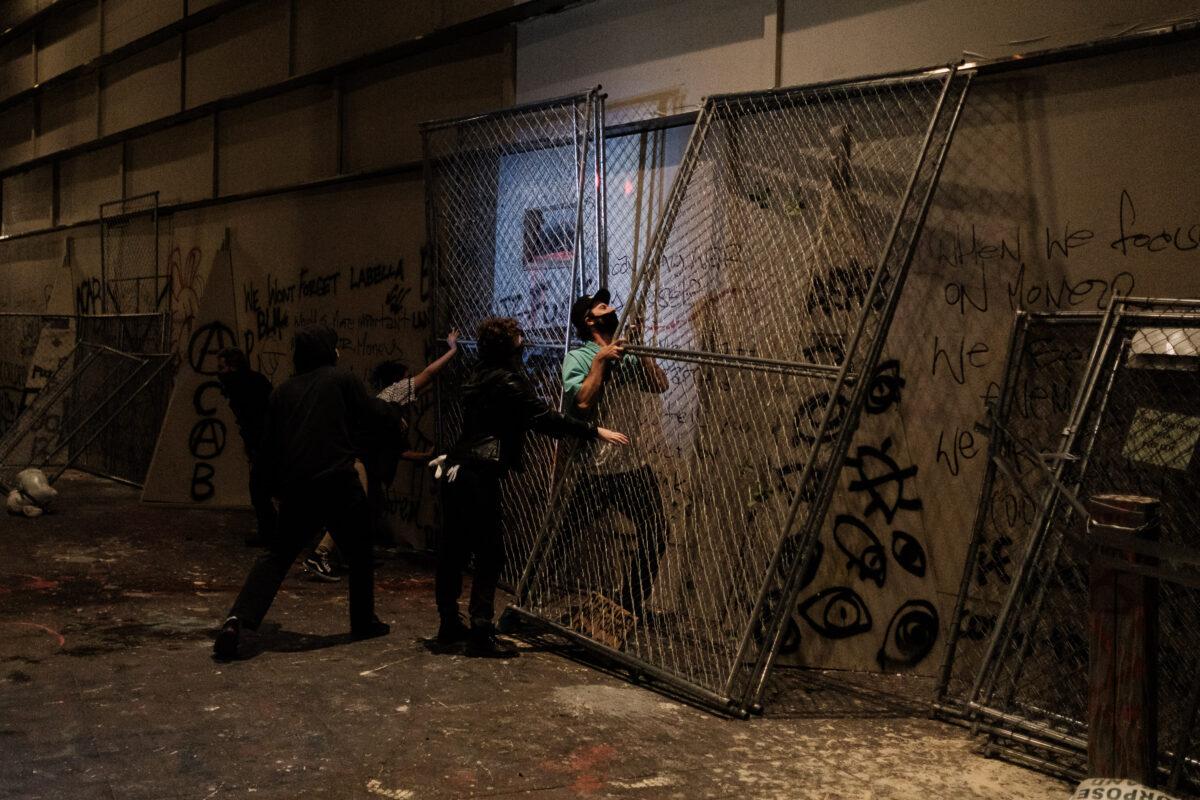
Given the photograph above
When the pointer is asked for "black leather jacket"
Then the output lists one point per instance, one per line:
(499, 407)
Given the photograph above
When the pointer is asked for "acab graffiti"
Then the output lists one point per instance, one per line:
(208, 435)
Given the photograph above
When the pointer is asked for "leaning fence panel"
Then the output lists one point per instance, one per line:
(1048, 359)
(513, 210)
(514, 200)
(1136, 429)
(771, 278)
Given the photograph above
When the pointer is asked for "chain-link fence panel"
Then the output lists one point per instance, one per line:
(771, 278)
(91, 389)
(130, 333)
(640, 168)
(1048, 358)
(512, 204)
(515, 206)
(130, 277)
(1134, 429)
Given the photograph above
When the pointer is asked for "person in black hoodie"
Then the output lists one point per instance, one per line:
(499, 408)
(316, 423)
(248, 393)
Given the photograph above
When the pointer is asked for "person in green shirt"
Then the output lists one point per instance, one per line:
(601, 378)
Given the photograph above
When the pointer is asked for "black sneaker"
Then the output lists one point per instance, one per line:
(372, 630)
(483, 643)
(318, 567)
(225, 648)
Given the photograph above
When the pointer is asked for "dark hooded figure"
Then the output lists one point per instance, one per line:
(316, 423)
(500, 407)
(248, 393)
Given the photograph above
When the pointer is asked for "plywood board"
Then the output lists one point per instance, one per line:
(199, 459)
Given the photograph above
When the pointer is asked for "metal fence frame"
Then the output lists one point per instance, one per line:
(116, 215)
(589, 210)
(1039, 743)
(107, 396)
(743, 688)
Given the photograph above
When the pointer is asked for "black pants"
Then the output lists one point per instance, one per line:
(472, 514)
(336, 503)
(634, 494)
(260, 498)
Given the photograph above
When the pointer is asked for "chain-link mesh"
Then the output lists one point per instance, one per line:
(515, 220)
(131, 281)
(1047, 362)
(91, 389)
(772, 278)
(131, 333)
(1136, 427)
(512, 205)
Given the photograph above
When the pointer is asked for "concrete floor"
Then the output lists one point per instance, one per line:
(107, 609)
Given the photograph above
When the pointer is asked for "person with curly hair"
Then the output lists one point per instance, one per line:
(500, 407)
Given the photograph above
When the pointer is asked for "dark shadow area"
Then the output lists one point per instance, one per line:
(797, 693)
(272, 638)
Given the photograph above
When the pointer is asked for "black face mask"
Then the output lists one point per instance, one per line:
(606, 324)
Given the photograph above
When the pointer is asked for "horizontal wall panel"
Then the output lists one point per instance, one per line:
(127, 20)
(240, 51)
(86, 181)
(385, 106)
(141, 88)
(327, 33)
(16, 134)
(67, 40)
(280, 141)
(16, 66)
(27, 201)
(68, 115)
(176, 163)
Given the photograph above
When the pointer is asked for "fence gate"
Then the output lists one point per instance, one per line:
(515, 204)
(770, 285)
(1133, 428)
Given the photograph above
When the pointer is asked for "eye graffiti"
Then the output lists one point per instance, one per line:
(908, 553)
(837, 613)
(910, 635)
(884, 390)
(807, 421)
(859, 542)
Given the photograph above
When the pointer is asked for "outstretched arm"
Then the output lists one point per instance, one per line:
(426, 376)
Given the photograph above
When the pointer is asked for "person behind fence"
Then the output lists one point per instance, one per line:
(248, 392)
(615, 480)
(385, 447)
(499, 407)
(314, 429)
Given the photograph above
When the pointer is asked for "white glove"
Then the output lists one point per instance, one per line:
(439, 466)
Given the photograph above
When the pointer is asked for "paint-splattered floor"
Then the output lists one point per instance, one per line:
(107, 691)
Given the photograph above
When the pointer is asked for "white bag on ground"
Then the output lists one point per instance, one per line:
(18, 503)
(33, 484)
